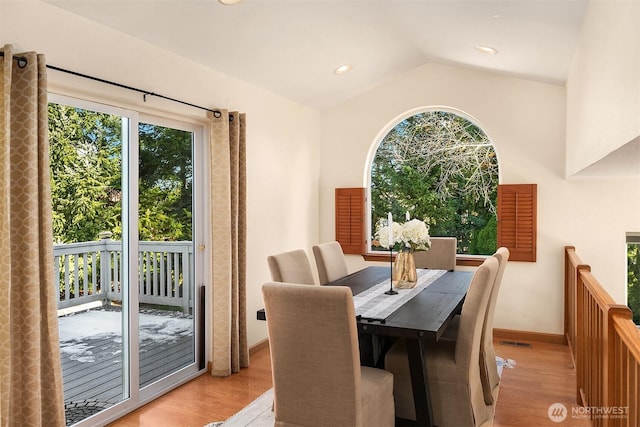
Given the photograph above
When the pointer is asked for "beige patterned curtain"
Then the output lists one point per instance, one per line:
(31, 391)
(229, 350)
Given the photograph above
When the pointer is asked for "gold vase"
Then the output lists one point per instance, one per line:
(405, 275)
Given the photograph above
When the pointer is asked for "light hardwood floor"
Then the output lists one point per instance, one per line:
(543, 375)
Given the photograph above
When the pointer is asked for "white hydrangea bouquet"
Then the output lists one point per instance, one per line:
(413, 235)
(388, 239)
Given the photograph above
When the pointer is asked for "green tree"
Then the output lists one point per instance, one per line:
(86, 177)
(441, 168)
(85, 162)
(633, 283)
(166, 183)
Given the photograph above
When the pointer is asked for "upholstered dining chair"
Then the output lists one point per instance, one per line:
(488, 367)
(330, 262)
(440, 256)
(292, 267)
(453, 368)
(317, 377)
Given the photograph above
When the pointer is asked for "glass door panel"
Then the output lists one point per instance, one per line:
(86, 149)
(165, 248)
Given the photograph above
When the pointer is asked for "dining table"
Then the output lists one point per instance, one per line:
(419, 315)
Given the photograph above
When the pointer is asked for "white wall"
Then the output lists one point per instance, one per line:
(282, 137)
(526, 122)
(290, 193)
(603, 88)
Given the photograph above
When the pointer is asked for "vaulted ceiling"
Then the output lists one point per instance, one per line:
(293, 47)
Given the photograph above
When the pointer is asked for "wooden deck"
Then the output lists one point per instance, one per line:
(92, 366)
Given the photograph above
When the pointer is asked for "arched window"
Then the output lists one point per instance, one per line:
(440, 167)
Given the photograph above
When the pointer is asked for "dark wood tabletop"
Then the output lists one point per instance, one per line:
(425, 316)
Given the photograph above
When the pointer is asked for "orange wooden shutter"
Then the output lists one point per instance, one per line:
(350, 207)
(517, 212)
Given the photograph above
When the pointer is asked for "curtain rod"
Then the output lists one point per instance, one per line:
(22, 62)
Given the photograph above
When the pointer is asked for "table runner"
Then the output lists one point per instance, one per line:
(373, 304)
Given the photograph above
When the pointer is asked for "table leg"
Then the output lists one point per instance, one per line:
(419, 383)
(365, 343)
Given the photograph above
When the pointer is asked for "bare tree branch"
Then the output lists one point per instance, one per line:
(451, 145)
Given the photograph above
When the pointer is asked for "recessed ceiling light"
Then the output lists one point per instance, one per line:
(343, 69)
(486, 49)
(496, 16)
(229, 2)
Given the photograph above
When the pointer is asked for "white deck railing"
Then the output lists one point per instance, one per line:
(92, 271)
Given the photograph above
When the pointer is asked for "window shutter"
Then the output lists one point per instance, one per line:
(517, 212)
(350, 206)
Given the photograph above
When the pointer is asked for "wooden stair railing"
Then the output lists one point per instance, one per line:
(624, 363)
(605, 346)
(573, 265)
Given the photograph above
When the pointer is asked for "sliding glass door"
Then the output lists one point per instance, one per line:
(124, 198)
(88, 167)
(165, 248)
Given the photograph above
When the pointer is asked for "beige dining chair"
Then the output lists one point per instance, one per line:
(453, 368)
(291, 267)
(317, 377)
(440, 256)
(488, 367)
(330, 262)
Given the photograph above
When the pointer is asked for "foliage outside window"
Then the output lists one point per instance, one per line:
(166, 183)
(633, 275)
(86, 174)
(441, 168)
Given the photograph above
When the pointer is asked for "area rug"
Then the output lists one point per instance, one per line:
(259, 412)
